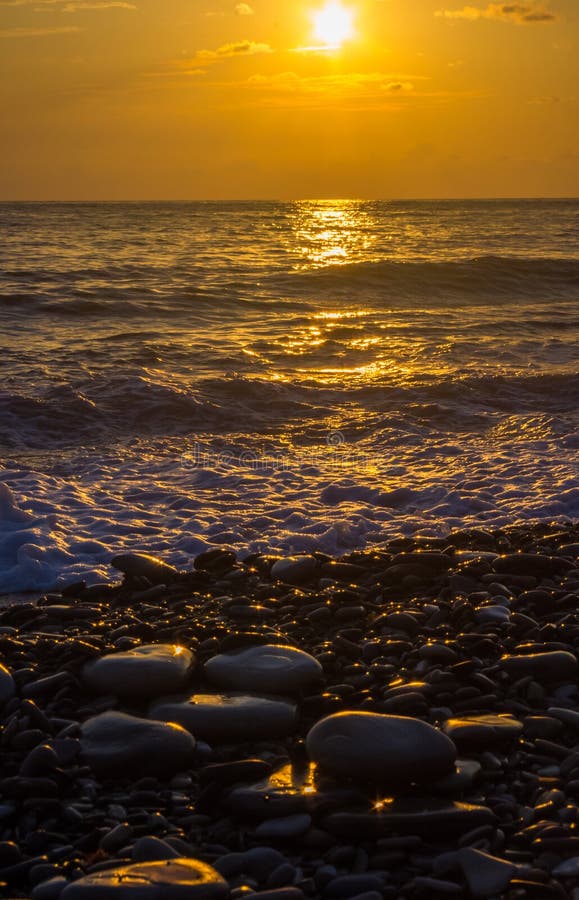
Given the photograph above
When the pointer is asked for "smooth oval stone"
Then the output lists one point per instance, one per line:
(492, 615)
(380, 748)
(178, 879)
(272, 668)
(294, 569)
(147, 671)
(482, 732)
(141, 565)
(152, 849)
(116, 744)
(531, 564)
(7, 685)
(554, 665)
(229, 717)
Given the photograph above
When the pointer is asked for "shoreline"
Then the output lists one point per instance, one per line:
(441, 631)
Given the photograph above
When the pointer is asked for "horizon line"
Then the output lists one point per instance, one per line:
(471, 199)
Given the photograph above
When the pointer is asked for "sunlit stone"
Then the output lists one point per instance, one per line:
(147, 671)
(270, 668)
(175, 879)
(117, 744)
(229, 717)
(384, 749)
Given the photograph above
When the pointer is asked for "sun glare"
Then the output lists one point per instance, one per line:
(333, 24)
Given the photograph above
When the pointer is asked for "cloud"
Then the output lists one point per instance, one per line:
(230, 51)
(244, 9)
(355, 90)
(36, 32)
(398, 86)
(70, 6)
(519, 13)
(77, 5)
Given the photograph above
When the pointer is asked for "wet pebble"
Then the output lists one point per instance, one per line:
(384, 749)
(149, 670)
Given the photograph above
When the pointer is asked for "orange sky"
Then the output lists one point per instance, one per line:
(212, 99)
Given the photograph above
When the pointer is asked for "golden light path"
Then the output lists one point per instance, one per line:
(333, 24)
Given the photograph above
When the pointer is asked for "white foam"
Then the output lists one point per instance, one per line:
(64, 521)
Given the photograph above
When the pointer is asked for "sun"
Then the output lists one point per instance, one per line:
(333, 24)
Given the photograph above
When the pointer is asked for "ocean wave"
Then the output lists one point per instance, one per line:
(126, 406)
(487, 277)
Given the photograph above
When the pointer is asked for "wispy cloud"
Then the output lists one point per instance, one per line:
(69, 6)
(23, 32)
(244, 9)
(356, 90)
(518, 13)
(230, 51)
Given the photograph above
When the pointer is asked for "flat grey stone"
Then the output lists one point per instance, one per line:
(147, 671)
(380, 748)
(178, 879)
(116, 744)
(141, 565)
(226, 718)
(486, 875)
(482, 732)
(271, 668)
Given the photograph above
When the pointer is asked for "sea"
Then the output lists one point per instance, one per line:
(286, 377)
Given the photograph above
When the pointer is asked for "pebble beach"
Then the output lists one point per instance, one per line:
(399, 722)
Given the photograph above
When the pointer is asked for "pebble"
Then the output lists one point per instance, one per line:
(483, 732)
(116, 744)
(350, 885)
(567, 869)
(149, 670)
(149, 849)
(268, 668)
(179, 879)
(412, 627)
(49, 890)
(294, 569)
(7, 685)
(380, 748)
(141, 565)
(224, 718)
(261, 861)
(286, 827)
(569, 717)
(486, 875)
(425, 817)
(556, 665)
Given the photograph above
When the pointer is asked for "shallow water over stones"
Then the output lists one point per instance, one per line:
(395, 632)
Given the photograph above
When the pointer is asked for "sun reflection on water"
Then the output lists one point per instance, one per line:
(332, 232)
